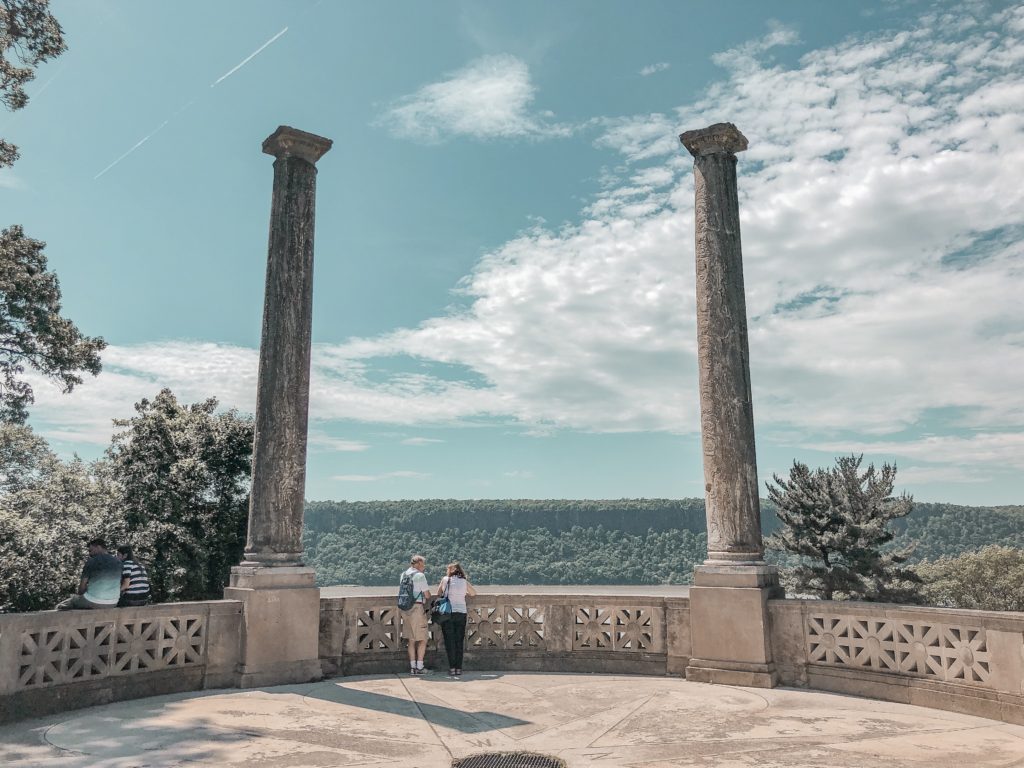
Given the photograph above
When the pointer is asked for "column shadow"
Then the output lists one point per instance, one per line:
(435, 714)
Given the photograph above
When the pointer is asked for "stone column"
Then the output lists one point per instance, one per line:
(281, 605)
(282, 396)
(728, 600)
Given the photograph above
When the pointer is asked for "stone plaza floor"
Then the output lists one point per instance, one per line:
(587, 720)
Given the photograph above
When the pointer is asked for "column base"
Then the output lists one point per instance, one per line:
(726, 673)
(283, 673)
(729, 627)
(280, 641)
(273, 560)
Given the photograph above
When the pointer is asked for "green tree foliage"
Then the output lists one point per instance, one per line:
(32, 331)
(515, 541)
(183, 473)
(991, 579)
(374, 556)
(937, 530)
(29, 35)
(835, 521)
(48, 509)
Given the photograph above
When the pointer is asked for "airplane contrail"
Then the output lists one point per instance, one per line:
(223, 77)
(144, 139)
(247, 59)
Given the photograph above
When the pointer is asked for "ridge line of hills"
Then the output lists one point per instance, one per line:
(592, 541)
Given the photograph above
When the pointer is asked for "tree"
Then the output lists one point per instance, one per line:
(32, 332)
(991, 579)
(835, 523)
(184, 475)
(29, 35)
(48, 510)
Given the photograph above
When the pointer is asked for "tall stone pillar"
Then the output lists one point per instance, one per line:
(728, 602)
(282, 604)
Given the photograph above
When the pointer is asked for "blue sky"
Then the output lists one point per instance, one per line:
(504, 262)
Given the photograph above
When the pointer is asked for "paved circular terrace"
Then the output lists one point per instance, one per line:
(587, 720)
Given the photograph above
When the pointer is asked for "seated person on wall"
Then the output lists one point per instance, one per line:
(134, 580)
(100, 586)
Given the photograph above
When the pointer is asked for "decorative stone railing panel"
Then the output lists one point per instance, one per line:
(615, 628)
(504, 627)
(363, 634)
(89, 649)
(954, 653)
(967, 661)
(108, 654)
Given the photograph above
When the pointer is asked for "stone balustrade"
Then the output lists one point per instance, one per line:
(56, 660)
(964, 661)
(572, 631)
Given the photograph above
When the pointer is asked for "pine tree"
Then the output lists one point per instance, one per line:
(835, 522)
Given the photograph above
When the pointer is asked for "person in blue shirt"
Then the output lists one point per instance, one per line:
(100, 585)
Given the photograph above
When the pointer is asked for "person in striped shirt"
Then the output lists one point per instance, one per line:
(134, 580)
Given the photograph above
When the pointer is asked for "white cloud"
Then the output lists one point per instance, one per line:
(651, 69)
(490, 98)
(522, 474)
(745, 57)
(996, 450)
(421, 441)
(398, 474)
(327, 443)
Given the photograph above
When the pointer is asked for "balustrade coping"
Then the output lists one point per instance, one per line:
(539, 590)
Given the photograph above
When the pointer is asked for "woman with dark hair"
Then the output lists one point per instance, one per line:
(455, 586)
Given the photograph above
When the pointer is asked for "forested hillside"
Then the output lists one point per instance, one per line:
(626, 541)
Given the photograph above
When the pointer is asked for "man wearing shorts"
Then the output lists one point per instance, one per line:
(414, 620)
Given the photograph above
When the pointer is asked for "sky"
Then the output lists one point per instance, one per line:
(504, 290)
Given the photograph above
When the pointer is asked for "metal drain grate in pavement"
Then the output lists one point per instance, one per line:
(509, 760)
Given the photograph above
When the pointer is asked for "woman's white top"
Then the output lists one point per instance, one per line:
(455, 590)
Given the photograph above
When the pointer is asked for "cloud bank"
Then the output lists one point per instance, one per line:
(881, 207)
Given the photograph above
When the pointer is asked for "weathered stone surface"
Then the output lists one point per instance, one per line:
(282, 399)
(54, 661)
(727, 417)
(587, 720)
(966, 661)
(280, 628)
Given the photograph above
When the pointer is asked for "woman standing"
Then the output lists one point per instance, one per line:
(455, 586)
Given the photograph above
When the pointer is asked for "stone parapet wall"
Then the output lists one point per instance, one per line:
(53, 661)
(963, 661)
(533, 632)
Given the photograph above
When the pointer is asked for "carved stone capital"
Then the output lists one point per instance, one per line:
(287, 141)
(720, 137)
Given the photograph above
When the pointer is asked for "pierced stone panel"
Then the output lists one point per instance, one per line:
(951, 653)
(378, 629)
(505, 627)
(66, 654)
(611, 628)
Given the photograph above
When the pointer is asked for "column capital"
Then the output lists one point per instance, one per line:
(291, 142)
(715, 139)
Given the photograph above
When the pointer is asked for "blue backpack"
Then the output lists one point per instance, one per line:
(406, 596)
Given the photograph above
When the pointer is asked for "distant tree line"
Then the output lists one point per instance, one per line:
(628, 541)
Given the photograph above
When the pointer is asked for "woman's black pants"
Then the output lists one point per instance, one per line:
(454, 631)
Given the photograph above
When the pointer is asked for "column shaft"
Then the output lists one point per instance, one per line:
(727, 419)
(282, 399)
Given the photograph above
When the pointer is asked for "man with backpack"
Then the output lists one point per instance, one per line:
(413, 599)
